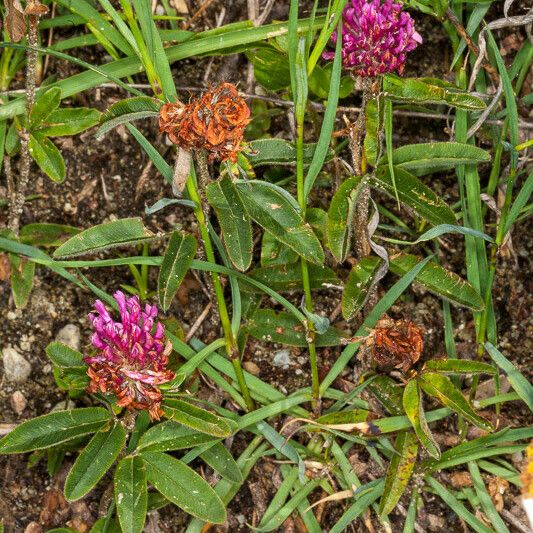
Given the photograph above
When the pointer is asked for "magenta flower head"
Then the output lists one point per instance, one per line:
(376, 37)
(131, 357)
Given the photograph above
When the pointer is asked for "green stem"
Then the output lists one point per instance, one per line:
(232, 350)
(315, 380)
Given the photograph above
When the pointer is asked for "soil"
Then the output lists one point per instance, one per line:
(112, 179)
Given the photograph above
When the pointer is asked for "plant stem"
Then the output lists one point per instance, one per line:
(315, 379)
(17, 202)
(232, 350)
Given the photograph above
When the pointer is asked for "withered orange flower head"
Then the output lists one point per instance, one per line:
(396, 343)
(215, 122)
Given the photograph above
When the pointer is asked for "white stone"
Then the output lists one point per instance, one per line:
(16, 368)
(18, 402)
(281, 359)
(62, 406)
(70, 335)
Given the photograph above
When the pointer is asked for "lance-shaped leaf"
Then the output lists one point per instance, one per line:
(126, 111)
(269, 326)
(198, 419)
(429, 91)
(276, 152)
(442, 388)
(171, 435)
(427, 158)
(94, 461)
(221, 461)
(358, 284)
(283, 278)
(183, 487)
(412, 404)
(46, 104)
(47, 156)
(45, 234)
(388, 393)
(439, 280)
(64, 356)
(373, 123)
(276, 211)
(180, 252)
(518, 381)
(340, 216)
(234, 221)
(54, 428)
(459, 366)
(131, 496)
(126, 231)
(399, 472)
(69, 121)
(274, 252)
(22, 273)
(414, 194)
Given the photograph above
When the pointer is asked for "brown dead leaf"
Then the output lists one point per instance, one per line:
(15, 21)
(496, 488)
(55, 508)
(460, 480)
(35, 8)
(5, 267)
(190, 283)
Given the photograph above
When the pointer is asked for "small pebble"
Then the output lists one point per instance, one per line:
(33, 527)
(62, 406)
(16, 368)
(18, 402)
(281, 359)
(70, 335)
(251, 367)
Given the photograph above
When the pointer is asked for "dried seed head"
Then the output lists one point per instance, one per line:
(395, 343)
(215, 122)
(376, 37)
(131, 357)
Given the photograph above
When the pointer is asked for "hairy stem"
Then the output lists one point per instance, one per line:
(202, 212)
(17, 202)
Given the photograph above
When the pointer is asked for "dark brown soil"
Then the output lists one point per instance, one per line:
(113, 179)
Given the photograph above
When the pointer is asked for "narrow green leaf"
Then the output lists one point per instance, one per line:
(276, 211)
(442, 388)
(517, 380)
(171, 435)
(459, 366)
(183, 487)
(64, 356)
(179, 254)
(340, 216)
(131, 496)
(94, 461)
(413, 193)
(54, 428)
(47, 156)
(485, 500)
(234, 221)
(69, 122)
(46, 234)
(277, 152)
(412, 404)
(274, 252)
(429, 91)
(126, 231)
(268, 326)
(427, 158)
(22, 273)
(282, 278)
(221, 461)
(45, 104)
(357, 286)
(440, 281)
(399, 472)
(196, 418)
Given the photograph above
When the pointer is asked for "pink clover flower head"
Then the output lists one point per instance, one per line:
(376, 37)
(131, 356)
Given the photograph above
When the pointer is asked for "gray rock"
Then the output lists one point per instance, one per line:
(70, 335)
(16, 368)
(63, 405)
(281, 359)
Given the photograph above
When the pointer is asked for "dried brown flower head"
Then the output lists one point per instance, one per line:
(215, 122)
(395, 343)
